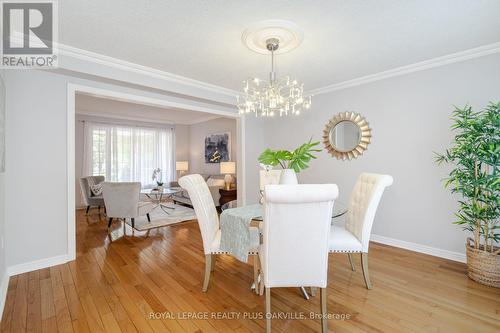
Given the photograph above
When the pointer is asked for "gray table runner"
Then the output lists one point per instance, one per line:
(236, 235)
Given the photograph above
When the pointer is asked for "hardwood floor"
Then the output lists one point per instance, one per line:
(153, 283)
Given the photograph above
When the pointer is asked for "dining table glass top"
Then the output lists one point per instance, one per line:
(339, 209)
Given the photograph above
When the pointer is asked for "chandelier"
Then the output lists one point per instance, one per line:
(283, 97)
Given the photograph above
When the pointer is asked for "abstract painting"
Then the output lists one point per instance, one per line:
(218, 148)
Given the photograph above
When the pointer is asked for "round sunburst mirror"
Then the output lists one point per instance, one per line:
(347, 135)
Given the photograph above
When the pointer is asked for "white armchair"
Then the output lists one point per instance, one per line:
(294, 252)
(208, 221)
(122, 201)
(354, 237)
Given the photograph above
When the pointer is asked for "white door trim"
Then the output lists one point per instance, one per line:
(73, 89)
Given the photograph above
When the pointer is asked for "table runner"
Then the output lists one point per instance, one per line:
(236, 234)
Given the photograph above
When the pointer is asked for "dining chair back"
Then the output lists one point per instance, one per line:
(296, 229)
(208, 221)
(269, 177)
(363, 205)
(204, 207)
(354, 236)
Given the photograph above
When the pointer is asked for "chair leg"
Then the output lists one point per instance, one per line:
(208, 267)
(268, 310)
(313, 291)
(133, 222)
(149, 217)
(256, 268)
(110, 221)
(87, 211)
(324, 313)
(99, 209)
(212, 263)
(351, 261)
(366, 275)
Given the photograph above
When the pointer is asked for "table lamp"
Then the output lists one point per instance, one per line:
(227, 169)
(181, 166)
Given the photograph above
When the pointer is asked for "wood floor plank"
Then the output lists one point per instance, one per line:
(120, 283)
(34, 319)
(20, 311)
(6, 324)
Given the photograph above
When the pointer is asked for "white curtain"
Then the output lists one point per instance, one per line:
(126, 153)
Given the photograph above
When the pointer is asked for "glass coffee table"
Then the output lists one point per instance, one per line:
(158, 195)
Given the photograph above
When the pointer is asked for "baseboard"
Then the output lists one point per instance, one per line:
(433, 251)
(4, 284)
(37, 264)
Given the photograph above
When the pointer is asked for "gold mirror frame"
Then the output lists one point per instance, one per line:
(364, 140)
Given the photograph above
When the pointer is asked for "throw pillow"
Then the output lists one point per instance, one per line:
(96, 189)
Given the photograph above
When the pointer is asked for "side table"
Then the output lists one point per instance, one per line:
(226, 195)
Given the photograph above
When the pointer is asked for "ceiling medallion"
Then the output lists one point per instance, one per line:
(278, 96)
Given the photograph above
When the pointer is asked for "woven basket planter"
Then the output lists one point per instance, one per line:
(482, 266)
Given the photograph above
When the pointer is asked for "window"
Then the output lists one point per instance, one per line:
(125, 153)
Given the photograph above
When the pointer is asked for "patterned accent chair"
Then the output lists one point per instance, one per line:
(89, 198)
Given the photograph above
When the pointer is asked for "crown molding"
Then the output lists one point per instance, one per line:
(97, 58)
(84, 55)
(70, 51)
(416, 67)
(82, 112)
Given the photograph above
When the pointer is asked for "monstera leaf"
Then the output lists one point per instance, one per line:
(297, 160)
(303, 155)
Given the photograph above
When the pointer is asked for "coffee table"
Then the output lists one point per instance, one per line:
(158, 195)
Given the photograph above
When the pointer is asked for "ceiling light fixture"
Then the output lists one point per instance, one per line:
(281, 97)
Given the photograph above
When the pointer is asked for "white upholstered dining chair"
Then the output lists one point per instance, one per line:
(122, 201)
(354, 237)
(268, 177)
(294, 251)
(208, 221)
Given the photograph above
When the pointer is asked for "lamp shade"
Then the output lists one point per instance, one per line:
(227, 167)
(182, 166)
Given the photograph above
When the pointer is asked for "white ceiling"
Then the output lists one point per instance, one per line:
(343, 39)
(108, 108)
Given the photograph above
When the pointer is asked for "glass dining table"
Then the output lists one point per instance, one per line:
(339, 209)
(230, 232)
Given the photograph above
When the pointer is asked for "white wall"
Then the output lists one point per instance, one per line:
(182, 142)
(181, 148)
(197, 134)
(36, 229)
(409, 116)
(3, 271)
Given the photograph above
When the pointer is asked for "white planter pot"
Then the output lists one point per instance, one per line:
(288, 177)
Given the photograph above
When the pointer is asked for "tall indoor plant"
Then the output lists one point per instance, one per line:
(291, 161)
(475, 156)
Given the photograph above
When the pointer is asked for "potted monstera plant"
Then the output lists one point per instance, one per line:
(475, 157)
(290, 161)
